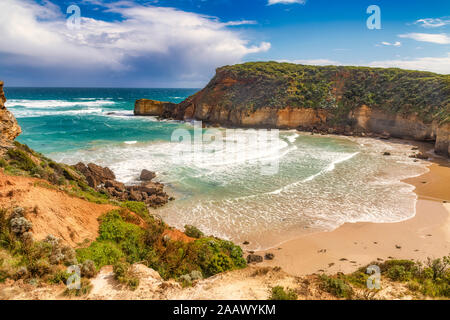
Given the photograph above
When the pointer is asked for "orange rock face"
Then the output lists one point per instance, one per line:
(9, 128)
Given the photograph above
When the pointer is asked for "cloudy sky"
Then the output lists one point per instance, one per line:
(179, 43)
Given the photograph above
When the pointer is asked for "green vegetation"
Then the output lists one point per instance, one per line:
(278, 293)
(430, 279)
(337, 89)
(193, 232)
(337, 286)
(137, 207)
(120, 240)
(124, 274)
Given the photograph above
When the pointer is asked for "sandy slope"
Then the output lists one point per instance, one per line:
(69, 218)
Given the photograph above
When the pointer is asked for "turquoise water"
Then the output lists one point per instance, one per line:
(62, 119)
(242, 188)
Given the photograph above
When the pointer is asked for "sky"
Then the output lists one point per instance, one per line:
(180, 43)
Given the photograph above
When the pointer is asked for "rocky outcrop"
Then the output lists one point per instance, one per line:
(341, 100)
(103, 179)
(9, 128)
(145, 107)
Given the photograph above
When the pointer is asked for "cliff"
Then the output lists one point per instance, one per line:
(9, 127)
(334, 99)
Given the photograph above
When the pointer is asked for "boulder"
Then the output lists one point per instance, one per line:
(269, 256)
(147, 175)
(254, 258)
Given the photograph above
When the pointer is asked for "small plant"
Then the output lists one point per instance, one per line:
(85, 289)
(193, 232)
(398, 273)
(336, 286)
(278, 293)
(124, 274)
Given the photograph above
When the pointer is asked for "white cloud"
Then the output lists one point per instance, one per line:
(395, 44)
(432, 22)
(240, 23)
(439, 38)
(271, 2)
(433, 64)
(314, 62)
(190, 44)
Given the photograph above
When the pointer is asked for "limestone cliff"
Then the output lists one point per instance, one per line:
(335, 99)
(9, 127)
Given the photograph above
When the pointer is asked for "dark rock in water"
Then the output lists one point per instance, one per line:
(419, 155)
(254, 258)
(269, 256)
(422, 156)
(147, 175)
(386, 153)
(246, 243)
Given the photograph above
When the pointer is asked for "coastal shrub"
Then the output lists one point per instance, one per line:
(137, 207)
(124, 274)
(279, 293)
(101, 252)
(336, 286)
(398, 273)
(85, 289)
(193, 232)
(21, 159)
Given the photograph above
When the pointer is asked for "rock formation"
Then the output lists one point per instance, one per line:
(9, 127)
(341, 100)
(103, 179)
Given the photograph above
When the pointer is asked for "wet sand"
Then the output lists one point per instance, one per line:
(353, 245)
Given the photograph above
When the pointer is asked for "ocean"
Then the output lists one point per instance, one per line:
(316, 182)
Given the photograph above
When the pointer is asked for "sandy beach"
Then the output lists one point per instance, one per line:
(353, 245)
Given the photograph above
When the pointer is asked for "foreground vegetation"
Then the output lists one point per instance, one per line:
(337, 89)
(429, 279)
(126, 236)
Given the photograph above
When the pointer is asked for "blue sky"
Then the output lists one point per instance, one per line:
(179, 43)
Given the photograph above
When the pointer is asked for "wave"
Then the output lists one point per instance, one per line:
(43, 104)
(38, 113)
(329, 168)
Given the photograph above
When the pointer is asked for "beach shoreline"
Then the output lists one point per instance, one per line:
(354, 245)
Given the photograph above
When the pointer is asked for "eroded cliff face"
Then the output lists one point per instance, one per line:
(258, 100)
(9, 128)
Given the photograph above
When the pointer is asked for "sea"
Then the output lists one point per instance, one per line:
(265, 187)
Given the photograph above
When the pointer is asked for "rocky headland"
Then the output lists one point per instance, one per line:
(9, 128)
(331, 99)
